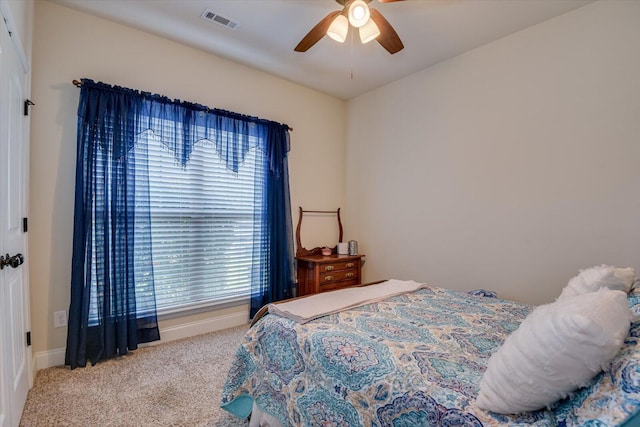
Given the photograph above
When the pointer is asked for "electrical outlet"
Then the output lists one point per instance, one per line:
(59, 319)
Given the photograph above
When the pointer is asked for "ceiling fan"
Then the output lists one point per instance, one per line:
(356, 13)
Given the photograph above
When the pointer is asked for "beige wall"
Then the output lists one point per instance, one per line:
(509, 167)
(70, 45)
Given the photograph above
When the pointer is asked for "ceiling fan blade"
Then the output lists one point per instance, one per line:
(388, 37)
(317, 32)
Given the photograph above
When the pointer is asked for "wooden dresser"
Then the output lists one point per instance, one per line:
(318, 273)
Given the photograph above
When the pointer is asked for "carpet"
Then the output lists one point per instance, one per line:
(178, 383)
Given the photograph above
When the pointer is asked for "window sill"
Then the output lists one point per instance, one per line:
(202, 307)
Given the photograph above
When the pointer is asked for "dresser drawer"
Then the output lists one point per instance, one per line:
(337, 276)
(330, 286)
(337, 266)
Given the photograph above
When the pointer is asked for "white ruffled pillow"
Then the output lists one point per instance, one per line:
(557, 348)
(602, 276)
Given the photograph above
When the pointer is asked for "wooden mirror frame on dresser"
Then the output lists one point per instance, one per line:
(300, 250)
(320, 273)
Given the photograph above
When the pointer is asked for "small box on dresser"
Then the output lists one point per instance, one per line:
(318, 273)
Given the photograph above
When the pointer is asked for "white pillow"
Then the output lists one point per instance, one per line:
(627, 275)
(557, 348)
(602, 276)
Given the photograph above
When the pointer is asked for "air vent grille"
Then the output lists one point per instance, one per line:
(212, 16)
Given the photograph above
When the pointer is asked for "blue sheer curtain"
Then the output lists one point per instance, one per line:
(272, 278)
(112, 265)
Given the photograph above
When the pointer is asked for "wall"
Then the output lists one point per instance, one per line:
(71, 45)
(509, 167)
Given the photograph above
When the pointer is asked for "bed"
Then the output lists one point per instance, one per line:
(414, 359)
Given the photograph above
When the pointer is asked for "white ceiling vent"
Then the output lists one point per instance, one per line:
(210, 15)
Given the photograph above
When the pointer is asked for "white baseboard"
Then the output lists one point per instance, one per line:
(200, 327)
(47, 359)
(55, 357)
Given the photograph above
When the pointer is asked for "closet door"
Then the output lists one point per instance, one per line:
(14, 311)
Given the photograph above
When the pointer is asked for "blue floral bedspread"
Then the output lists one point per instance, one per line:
(411, 360)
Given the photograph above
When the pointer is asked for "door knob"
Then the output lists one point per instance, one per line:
(11, 261)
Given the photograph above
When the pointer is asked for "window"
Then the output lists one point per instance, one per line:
(202, 225)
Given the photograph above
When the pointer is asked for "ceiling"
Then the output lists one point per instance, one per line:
(268, 30)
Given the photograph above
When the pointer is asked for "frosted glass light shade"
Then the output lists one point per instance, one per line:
(338, 29)
(358, 13)
(369, 32)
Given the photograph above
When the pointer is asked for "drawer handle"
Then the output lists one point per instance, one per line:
(350, 274)
(328, 278)
(350, 265)
(329, 268)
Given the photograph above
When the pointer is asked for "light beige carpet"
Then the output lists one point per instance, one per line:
(173, 384)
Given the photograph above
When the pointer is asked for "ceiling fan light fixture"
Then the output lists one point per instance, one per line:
(339, 28)
(358, 13)
(369, 31)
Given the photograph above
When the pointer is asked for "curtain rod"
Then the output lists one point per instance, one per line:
(78, 83)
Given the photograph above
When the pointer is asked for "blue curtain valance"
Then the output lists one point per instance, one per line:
(117, 116)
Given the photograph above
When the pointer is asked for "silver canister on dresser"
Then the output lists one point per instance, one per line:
(353, 247)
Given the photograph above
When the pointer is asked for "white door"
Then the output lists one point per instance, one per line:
(14, 311)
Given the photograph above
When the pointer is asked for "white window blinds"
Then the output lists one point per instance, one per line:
(202, 226)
